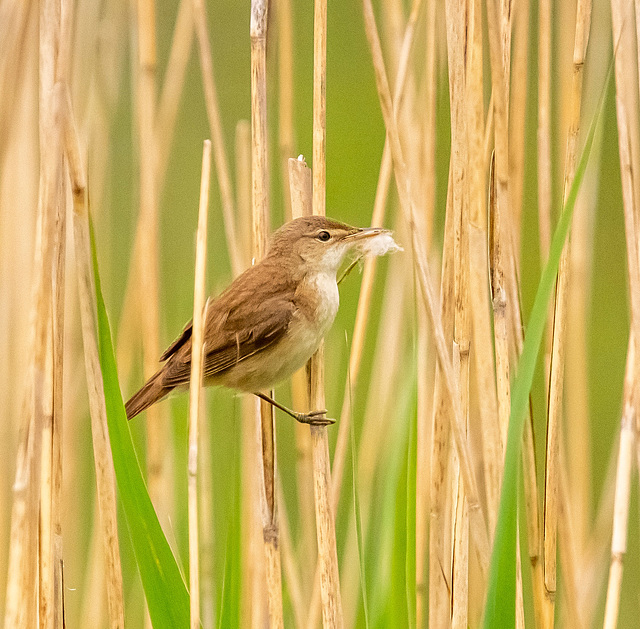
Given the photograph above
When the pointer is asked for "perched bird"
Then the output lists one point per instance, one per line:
(272, 318)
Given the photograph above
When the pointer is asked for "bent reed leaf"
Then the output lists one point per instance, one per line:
(164, 587)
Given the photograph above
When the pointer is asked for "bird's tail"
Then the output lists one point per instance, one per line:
(149, 394)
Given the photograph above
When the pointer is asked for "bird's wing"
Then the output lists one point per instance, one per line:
(231, 337)
(178, 343)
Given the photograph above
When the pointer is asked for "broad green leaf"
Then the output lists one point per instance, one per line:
(164, 587)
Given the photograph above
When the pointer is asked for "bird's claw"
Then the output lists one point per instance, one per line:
(315, 418)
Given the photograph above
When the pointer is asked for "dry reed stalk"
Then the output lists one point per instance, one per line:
(260, 205)
(13, 43)
(425, 284)
(215, 126)
(544, 127)
(482, 348)
(325, 513)
(105, 477)
(623, 488)
(557, 366)
(517, 117)
(253, 601)
(195, 385)
(243, 189)
(440, 577)
(252, 554)
(171, 92)
(425, 390)
(285, 97)
(457, 19)
(301, 194)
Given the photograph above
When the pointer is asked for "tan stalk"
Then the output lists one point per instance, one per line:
(285, 97)
(517, 117)
(300, 200)
(325, 513)
(440, 577)
(260, 204)
(557, 367)
(544, 127)
(457, 18)
(105, 477)
(477, 520)
(425, 391)
(253, 602)
(623, 489)
(482, 348)
(215, 126)
(195, 385)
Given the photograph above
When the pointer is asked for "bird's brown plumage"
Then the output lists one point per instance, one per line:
(252, 314)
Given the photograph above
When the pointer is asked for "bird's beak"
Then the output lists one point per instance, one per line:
(364, 232)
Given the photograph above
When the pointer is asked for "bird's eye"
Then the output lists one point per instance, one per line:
(324, 236)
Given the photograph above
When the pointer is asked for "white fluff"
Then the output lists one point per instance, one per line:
(378, 245)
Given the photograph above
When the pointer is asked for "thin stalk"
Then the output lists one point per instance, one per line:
(195, 385)
(557, 366)
(457, 19)
(301, 195)
(260, 205)
(325, 514)
(285, 97)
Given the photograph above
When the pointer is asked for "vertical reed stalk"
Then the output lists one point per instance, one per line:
(325, 514)
(426, 388)
(440, 576)
(301, 198)
(556, 374)
(252, 604)
(195, 384)
(544, 127)
(457, 45)
(260, 204)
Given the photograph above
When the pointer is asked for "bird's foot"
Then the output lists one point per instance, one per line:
(315, 418)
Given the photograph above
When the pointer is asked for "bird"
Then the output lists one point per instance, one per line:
(270, 320)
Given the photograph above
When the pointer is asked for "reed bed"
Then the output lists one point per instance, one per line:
(484, 467)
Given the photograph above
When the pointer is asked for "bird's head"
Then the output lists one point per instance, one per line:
(317, 243)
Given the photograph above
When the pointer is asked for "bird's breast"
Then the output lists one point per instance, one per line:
(321, 300)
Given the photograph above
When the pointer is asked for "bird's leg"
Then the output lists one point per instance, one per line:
(314, 418)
